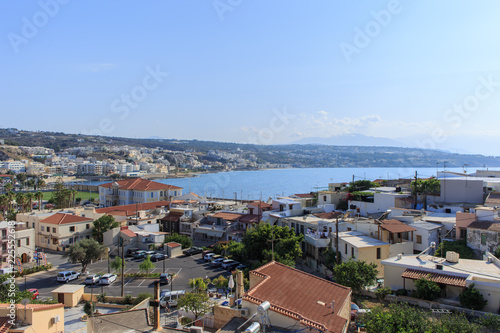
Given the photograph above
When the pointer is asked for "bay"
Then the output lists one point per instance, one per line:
(272, 183)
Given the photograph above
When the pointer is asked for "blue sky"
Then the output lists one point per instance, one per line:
(422, 73)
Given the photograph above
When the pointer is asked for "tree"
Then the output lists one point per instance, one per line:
(146, 265)
(89, 308)
(472, 298)
(258, 242)
(103, 224)
(185, 241)
(426, 289)
(29, 199)
(20, 201)
(199, 284)
(361, 185)
(40, 183)
(459, 246)
(329, 256)
(237, 251)
(197, 303)
(39, 197)
(21, 178)
(117, 263)
(84, 252)
(9, 290)
(381, 293)
(426, 187)
(355, 274)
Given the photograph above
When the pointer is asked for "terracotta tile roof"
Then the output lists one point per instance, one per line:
(140, 184)
(126, 231)
(297, 294)
(250, 218)
(228, 216)
(490, 226)
(329, 216)
(173, 244)
(4, 324)
(493, 199)
(131, 208)
(304, 195)
(35, 307)
(395, 226)
(61, 218)
(451, 280)
(260, 204)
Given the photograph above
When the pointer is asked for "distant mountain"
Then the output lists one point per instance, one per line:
(155, 138)
(350, 140)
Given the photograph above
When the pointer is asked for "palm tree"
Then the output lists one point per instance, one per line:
(4, 204)
(73, 196)
(8, 187)
(39, 197)
(29, 198)
(20, 201)
(10, 197)
(40, 183)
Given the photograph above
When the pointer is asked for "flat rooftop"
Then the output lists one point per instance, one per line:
(361, 241)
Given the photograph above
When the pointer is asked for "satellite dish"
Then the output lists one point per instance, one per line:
(25, 301)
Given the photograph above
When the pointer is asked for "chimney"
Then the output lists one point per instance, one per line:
(240, 288)
(333, 306)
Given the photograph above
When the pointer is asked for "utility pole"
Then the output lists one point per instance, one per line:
(123, 266)
(416, 178)
(337, 256)
(444, 181)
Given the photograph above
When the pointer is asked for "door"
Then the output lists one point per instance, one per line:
(60, 298)
(24, 258)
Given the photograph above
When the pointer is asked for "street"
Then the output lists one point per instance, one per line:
(184, 268)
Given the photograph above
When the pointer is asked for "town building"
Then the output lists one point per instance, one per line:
(60, 230)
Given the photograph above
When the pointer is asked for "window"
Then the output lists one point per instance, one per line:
(71, 229)
(87, 226)
(345, 249)
(54, 230)
(352, 252)
(42, 228)
(483, 239)
(33, 225)
(379, 253)
(419, 239)
(152, 194)
(463, 234)
(447, 211)
(324, 198)
(4, 233)
(18, 243)
(27, 241)
(71, 240)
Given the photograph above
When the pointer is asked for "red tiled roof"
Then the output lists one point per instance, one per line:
(395, 226)
(172, 216)
(249, 218)
(260, 204)
(304, 195)
(126, 231)
(483, 225)
(173, 244)
(61, 218)
(227, 216)
(451, 280)
(131, 208)
(4, 324)
(297, 294)
(140, 184)
(329, 216)
(35, 307)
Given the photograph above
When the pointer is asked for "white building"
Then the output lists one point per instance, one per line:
(425, 234)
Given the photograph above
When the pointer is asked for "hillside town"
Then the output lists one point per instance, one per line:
(443, 232)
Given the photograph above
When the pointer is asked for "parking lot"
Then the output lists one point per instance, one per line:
(184, 268)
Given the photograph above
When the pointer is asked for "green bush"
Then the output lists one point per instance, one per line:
(459, 246)
(89, 308)
(426, 289)
(102, 298)
(402, 292)
(128, 299)
(382, 292)
(472, 298)
(141, 297)
(490, 320)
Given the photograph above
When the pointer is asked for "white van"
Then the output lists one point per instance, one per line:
(209, 256)
(170, 297)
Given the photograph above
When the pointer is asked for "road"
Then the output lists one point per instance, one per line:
(183, 267)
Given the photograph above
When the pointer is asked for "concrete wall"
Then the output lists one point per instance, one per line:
(397, 248)
(368, 254)
(223, 314)
(70, 299)
(40, 321)
(461, 190)
(463, 221)
(474, 240)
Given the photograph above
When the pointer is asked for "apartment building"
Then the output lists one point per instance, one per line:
(60, 230)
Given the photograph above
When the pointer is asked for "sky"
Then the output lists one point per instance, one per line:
(423, 74)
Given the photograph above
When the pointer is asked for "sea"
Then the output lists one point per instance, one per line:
(273, 183)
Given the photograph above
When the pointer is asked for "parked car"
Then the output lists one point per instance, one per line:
(148, 253)
(241, 267)
(209, 256)
(217, 262)
(107, 278)
(170, 298)
(158, 257)
(131, 252)
(67, 276)
(165, 278)
(356, 311)
(92, 279)
(232, 266)
(34, 293)
(192, 251)
(139, 254)
(227, 263)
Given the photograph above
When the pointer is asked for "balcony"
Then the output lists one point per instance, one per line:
(317, 240)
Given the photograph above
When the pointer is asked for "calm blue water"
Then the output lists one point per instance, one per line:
(280, 182)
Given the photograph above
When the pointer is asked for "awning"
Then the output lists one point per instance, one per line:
(450, 280)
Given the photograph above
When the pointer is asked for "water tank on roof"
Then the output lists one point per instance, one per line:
(254, 328)
(452, 256)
